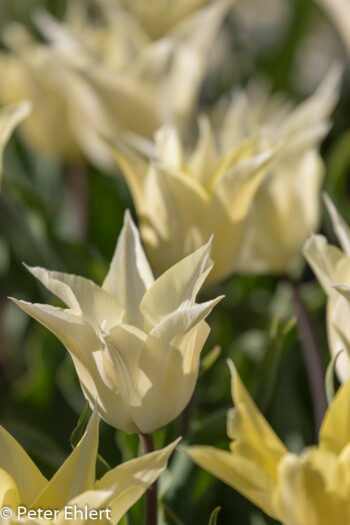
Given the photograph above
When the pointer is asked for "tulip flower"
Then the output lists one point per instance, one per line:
(101, 78)
(10, 117)
(312, 488)
(135, 341)
(331, 266)
(24, 489)
(287, 208)
(181, 200)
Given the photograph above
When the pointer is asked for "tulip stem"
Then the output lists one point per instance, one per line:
(151, 511)
(312, 357)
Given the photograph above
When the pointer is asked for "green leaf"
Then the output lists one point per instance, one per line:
(214, 516)
(211, 358)
(78, 432)
(102, 467)
(329, 379)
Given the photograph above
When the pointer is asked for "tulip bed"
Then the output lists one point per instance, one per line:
(174, 262)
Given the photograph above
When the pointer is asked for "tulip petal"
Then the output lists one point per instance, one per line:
(99, 500)
(83, 295)
(129, 275)
(25, 474)
(205, 156)
(167, 377)
(252, 436)
(132, 478)
(340, 227)
(335, 430)
(9, 495)
(169, 147)
(176, 289)
(329, 264)
(238, 472)
(77, 474)
(10, 117)
(303, 495)
(181, 321)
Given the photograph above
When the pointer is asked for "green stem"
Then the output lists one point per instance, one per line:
(312, 357)
(151, 512)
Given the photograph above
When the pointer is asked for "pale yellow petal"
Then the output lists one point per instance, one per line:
(74, 511)
(132, 478)
(238, 472)
(167, 378)
(129, 275)
(335, 429)
(252, 436)
(16, 462)
(9, 495)
(82, 295)
(176, 289)
(169, 147)
(340, 227)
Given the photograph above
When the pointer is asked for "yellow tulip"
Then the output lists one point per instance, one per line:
(286, 209)
(29, 494)
(181, 200)
(312, 488)
(10, 117)
(135, 341)
(332, 267)
(101, 78)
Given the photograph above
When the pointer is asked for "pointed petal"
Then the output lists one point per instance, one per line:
(167, 378)
(252, 436)
(205, 157)
(132, 479)
(181, 321)
(330, 265)
(335, 429)
(239, 473)
(77, 474)
(169, 147)
(177, 287)
(10, 117)
(340, 227)
(16, 462)
(129, 275)
(82, 295)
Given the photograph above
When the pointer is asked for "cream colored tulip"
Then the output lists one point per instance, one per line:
(339, 12)
(332, 267)
(98, 79)
(286, 209)
(182, 199)
(74, 484)
(135, 341)
(10, 117)
(312, 488)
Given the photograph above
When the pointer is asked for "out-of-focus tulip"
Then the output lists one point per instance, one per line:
(332, 267)
(135, 342)
(310, 488)
(10, 117)
(260, 206)
(182, 199)
(94, 79)
(339, 11)
(23, 488)
(286, 209)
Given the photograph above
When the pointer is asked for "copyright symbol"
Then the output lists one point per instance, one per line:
(6, 513)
